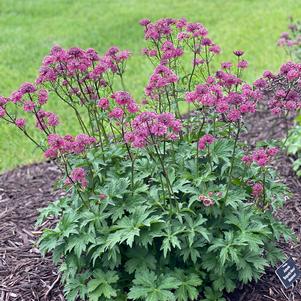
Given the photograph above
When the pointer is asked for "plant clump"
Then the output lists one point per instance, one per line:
(159, 205)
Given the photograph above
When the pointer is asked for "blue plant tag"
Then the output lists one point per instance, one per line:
(288, 273)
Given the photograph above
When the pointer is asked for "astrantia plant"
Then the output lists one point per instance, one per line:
(282, 92)
(159, 206)
(293, 144)
(291, 40)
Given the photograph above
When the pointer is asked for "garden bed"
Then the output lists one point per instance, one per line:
(25, 275)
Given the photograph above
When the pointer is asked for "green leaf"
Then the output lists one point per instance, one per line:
(69, 223)
(53, 209)
(171, 239)
(79, 243)
(101, 285)
(185, 186)
(192, 251)
(140, 259)
(116, 187)
(129, 226)
(189, 285)
(149, 287)
(49, 240)
(76, 287)
(246, 273)
(212, 295)
(195, 227)
(274, 254)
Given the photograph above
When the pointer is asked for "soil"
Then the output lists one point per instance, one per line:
(26, 275)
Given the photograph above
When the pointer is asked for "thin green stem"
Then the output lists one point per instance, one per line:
(164, 172)
(66, 165)
(264, 190)
(232, 160)
(131, 158)
(209, 157)
(11, 120)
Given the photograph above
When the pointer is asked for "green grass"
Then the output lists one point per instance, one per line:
(29, 29)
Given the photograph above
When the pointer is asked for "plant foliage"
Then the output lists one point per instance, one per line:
(158, 206)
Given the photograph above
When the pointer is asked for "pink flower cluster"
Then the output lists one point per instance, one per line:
(29, 91)
(290, 40)
(257, 190)
(125, 102)
(168, 52)
(147, 127)
(29, 96)
(204, 141)
(231, 104)
(157, 30)
(2, 111)
(65, 62)
(227, 79)
(260, 156)
(103, 103)
(242, 64)
(76, 64)
(78, 176)
(102, 196)
(20, 122)
(164, 29)
(207, 202)
(283, 89)
(115, 57)
(44, 120)
(30, 99)
(161, 78)
(67, 144)
(169, 37)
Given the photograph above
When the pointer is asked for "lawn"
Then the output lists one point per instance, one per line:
(29, 28)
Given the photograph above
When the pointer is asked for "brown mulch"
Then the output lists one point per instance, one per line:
(26, 275)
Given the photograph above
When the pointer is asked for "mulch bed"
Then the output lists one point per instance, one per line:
(26, 275)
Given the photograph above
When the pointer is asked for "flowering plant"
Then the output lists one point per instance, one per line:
(291, 40)
(291, 84)
(159, 206)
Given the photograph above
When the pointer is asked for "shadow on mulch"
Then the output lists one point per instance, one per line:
(25, 275)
